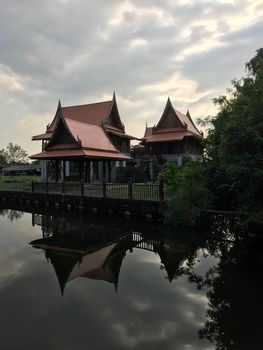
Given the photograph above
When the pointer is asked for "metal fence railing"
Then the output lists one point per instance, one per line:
(111, 190)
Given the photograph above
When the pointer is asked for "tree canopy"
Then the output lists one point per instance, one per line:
(230, 178)
(13, 154)
(234, 146)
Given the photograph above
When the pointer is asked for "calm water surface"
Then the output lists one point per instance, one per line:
(79, 282)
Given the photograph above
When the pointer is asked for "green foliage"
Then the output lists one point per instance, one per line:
(18, 179)
(185, 193)
(234, 146)
(168, 175)
(13, 154)
(17, 182)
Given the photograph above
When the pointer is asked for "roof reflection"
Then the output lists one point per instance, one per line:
(91, 250)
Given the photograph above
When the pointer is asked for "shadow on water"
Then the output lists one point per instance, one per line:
(234, 286)
(95, 247)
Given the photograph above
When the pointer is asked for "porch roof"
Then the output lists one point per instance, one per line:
(168, 136)
(80, 153)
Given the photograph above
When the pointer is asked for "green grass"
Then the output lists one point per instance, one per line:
(17, 182)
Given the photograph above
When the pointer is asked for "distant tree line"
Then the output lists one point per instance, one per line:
(13, 154)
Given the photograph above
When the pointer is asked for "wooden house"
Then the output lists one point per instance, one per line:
(174, 137)
(84, 143)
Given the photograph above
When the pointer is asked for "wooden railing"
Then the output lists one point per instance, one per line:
(111, 190)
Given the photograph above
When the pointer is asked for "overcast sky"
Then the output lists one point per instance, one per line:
(79, 51)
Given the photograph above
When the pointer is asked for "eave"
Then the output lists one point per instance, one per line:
(80, 154)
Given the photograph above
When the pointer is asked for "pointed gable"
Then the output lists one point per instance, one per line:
(169, 118)
(172, 126)
(192, 122)
(113, 120)
(62, 135)
(51, 127)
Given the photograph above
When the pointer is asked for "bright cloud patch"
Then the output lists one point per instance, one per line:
(9, 80)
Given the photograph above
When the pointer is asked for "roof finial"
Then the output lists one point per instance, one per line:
(188, 114)
(169, 103)
(114, 96)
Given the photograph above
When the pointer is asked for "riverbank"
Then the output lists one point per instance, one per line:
(148, 209)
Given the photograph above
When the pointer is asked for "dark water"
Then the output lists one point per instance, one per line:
(79, 282)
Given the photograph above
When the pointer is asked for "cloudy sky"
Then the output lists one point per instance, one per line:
(79, 51)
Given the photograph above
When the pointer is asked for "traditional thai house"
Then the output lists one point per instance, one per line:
(84, 143)
(174, 137)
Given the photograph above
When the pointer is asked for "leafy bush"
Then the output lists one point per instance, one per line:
(185, 192)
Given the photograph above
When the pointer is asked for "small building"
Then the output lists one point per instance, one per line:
(174, 137)
(84, 143)
(23, 169)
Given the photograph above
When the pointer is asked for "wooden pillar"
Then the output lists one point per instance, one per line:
(82, 175)
(56, 170)
(88, 171)
(109, 171)
(95, 169)
(64, 170)
(103, 170)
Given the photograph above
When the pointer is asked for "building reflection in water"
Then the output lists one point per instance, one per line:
(231, 278)
(78, 248)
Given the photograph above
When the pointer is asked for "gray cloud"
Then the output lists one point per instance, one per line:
(80, 51)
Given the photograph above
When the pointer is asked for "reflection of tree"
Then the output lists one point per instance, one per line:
(235, 294)
(11, 214)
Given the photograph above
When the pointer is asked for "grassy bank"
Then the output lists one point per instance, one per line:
(17, 182)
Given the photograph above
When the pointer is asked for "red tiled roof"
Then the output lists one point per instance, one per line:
(186, 127)
(185, 120)
(91, 136)
(113, 128)
(87, 137)
(93, 113)
(169, 136)
(122, 135)
(83, 153)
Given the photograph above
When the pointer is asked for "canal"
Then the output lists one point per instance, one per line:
(78, 281)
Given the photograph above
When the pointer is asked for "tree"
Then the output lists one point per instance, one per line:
(234, 146)
(13, 154)
(185, 192)
(2, 157)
